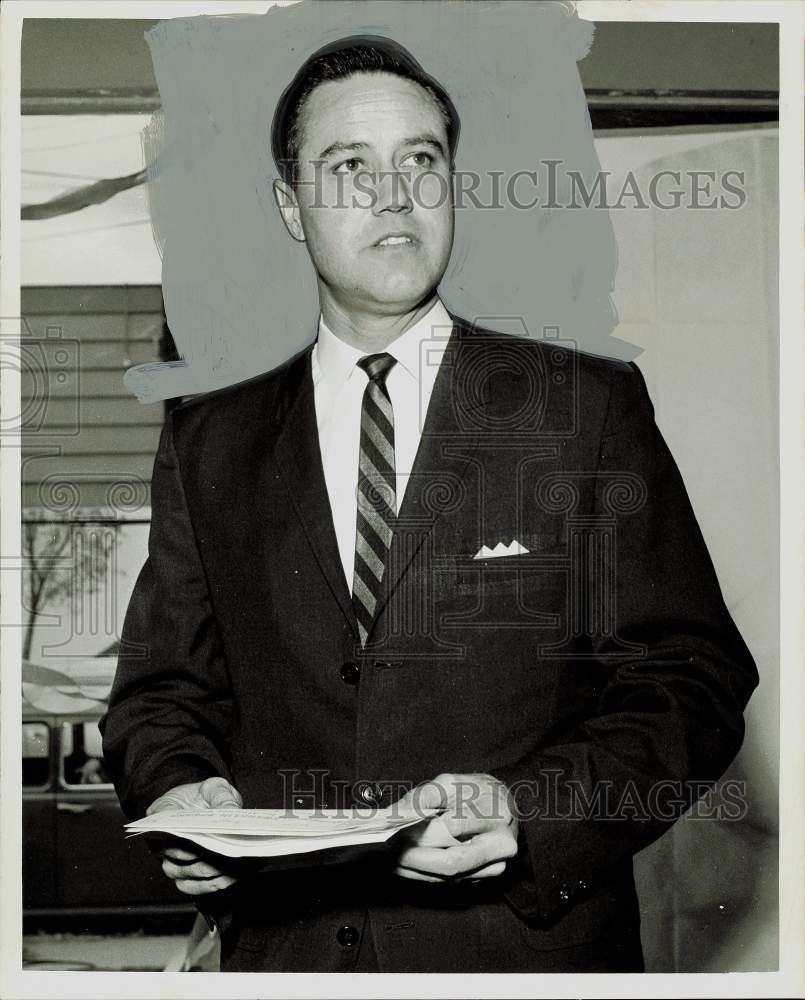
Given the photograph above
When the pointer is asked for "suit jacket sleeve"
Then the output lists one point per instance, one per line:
(171, 705)
(666, 719)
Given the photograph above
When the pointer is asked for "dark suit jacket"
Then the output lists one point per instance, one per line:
(595, 675)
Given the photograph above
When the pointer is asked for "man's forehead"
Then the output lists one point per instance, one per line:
(369, 106)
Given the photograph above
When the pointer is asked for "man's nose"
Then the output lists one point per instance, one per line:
(392, 192)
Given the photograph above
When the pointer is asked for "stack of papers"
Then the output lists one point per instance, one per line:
(271, 833)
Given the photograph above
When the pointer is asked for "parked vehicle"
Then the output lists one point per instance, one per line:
(75, 856)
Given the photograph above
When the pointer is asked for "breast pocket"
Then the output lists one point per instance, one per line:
(511, 590)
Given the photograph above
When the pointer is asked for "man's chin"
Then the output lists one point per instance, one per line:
(401, 306)
(402, 296)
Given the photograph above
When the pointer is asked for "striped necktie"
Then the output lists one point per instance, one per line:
(377, 489)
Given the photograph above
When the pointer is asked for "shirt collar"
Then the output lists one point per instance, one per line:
(337, 360)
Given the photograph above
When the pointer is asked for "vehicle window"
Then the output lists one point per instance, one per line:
(35, 754)
(82, 756)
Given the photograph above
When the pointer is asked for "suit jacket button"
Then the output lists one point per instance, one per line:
(370, 794)
(347, 936)
(350, 673)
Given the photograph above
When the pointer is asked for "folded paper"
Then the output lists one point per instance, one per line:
(267, 833)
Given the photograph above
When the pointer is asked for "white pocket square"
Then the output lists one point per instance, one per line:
(514, 548)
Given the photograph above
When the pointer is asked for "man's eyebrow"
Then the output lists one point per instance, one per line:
(342, 147)
(426, 139)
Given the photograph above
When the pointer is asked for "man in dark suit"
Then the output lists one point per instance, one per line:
(421, 561)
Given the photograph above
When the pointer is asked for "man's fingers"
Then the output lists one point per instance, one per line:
(417, 876)
(165, 803)
(431, 833)
(470, 856)
(469, 825)
(189, 873)
(490, 871)
(187, 870)
(431, 795)
(212, 793)
(441, 861)
(179, 854)
(200, 887)
(219, 794)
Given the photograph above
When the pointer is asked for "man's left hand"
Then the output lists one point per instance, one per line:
(473, 836)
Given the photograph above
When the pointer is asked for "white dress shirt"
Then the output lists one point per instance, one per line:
(338, 386)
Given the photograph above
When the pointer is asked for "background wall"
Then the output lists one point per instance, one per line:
(76, 55)
(697, 290)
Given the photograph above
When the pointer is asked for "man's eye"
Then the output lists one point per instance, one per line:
(420, 159)
(349, 166)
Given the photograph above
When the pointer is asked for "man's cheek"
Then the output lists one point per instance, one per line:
(431, 193)
(362, 193)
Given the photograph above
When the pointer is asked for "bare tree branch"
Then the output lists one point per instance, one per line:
(46, 577)
(91, 194)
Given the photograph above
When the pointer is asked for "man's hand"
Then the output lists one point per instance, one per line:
(192, 875)
(472, 838)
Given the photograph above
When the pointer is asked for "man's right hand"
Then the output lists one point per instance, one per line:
(192, 875)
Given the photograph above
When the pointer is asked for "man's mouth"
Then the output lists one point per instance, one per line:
(395, 240)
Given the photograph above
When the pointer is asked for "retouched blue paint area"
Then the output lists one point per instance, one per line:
(240, 295)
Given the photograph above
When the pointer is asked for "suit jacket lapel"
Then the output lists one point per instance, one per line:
(448, 443)
(298, 456)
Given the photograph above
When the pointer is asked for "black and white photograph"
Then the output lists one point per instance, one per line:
(402, 413)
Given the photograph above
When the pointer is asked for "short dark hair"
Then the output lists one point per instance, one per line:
(336, 61)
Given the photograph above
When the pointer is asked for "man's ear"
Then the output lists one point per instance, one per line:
(285, 197)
